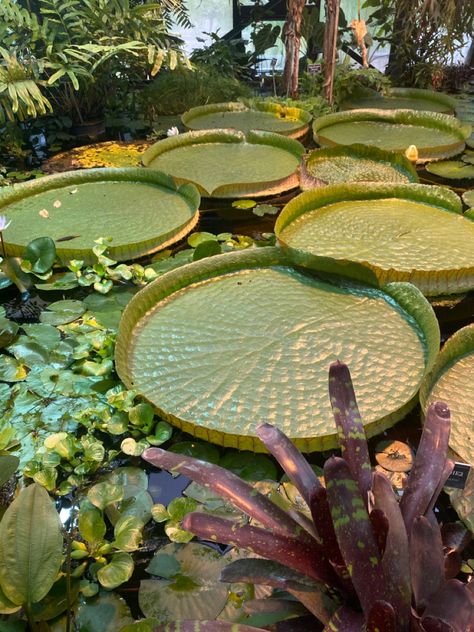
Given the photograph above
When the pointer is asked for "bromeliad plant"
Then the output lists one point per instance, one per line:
(365, 562)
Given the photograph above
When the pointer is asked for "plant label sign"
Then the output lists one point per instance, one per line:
(313, 69)
(458, 476)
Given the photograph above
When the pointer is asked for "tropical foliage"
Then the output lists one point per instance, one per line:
(363, 561)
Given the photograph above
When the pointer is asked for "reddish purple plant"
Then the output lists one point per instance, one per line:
(366, 562)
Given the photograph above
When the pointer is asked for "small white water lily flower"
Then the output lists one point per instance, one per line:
(173, 131)
(4, 224)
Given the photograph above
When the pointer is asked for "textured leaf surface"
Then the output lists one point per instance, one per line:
(468, 198)
(270, 117)
(30, 546)
(262, 357)
(404, 99)
(191, 590)
(409, 233)
(227, 163)
(356, 163)
(435, 135)
(452, 381)
(141, 210)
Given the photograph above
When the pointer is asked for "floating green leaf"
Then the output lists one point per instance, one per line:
(271, 117)
(40, 254)
(116, 572)
(404, 232)
(434, 135)
(77, 207)
(277, 346)
(62, 312)
(451, 169)
(228, 163)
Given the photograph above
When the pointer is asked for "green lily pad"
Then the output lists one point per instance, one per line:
(190, 588)
(468, 198)
(62, 312)
(452, 381)
(141, 210)
(270, 117)
(108, 154)
(356, 163)
(263, 356)
(229, 163)
(405, 232)
(404, 99)
(435, 135)
(451, 169)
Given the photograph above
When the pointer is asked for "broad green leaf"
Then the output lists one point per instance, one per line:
(193, 592)
(249, 466)
(198, 238)
(103, 494)
(434, 135)
(91, 524)
(161, 433)
(207, 249)
(468, 198)
(406, 232)
(356, 163)
(45, 335)
(76, 207)
(41, 254)
(107, 612)
(128, 533)
(133, 448)
(262, 115)
(62, 312)
(31, 545)
(403, 98)
(279, 349)
(451, 169)
(198, 450)
(116, 572)
(228, 163)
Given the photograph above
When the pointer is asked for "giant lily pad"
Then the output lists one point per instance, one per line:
(228, 163)
(142, 210)
(404, 232)
(224, 344)
(468, 198)
(435, 135)
(108, 154)
(357, 163)
(404, 99)
(271, 117)
(452, 381)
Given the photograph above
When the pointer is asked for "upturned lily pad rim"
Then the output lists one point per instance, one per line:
(459, 345)
(15, 192)
(398, 161)
(406, 295)
(417, 93)
(237, 189)
(261, 106)
(439, 197)
(432, 120)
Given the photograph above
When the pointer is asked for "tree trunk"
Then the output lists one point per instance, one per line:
(292, 31)
(330, 47)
